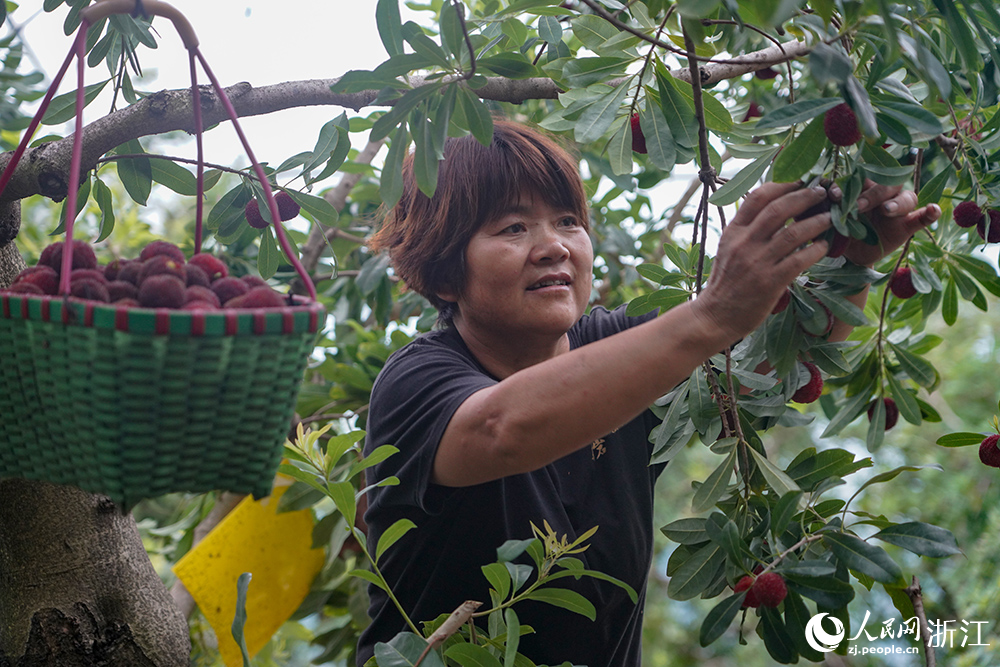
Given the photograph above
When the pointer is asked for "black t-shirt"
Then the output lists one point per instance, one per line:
(437, 566)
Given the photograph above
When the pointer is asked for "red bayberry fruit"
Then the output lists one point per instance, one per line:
(213, 267)
(129, 272)
(200, 293)
(89, 289)
(258, 297)
(753, 111)
(196, 276)
(993, 220)
(838, 244)
(989, 453)
(93, 274)
(901, 283)
(254, 281)
(841, 125)
(24, 287)
(252, 212)
(287, 207)
(122, 289)
(638, 138)
(83, 256)
(156, 248)
(812, 389)
(160, 265)
(199, 305)
(43, 277)
(770, 589)
(968, 214)
(162, 291)
(229, 288)
(828, 326)
(891, 412)
(746, 584)
(766, 74)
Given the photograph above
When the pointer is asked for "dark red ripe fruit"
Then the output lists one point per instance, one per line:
(989, 453)
(770, 589)
(229, 288)
(753, 111)
(891, 412)
(211, 265)
(638, 138)
(767, 73)
(156, 248)
(993, 219)
(841, 125)
(43, 277)
(93, 274)
(24, 287)
(162, 291)
(838, 244)
(746, 584)
(968, 214)
(258, 297)
(199, 305)
(122, 289)
(129, 272)
(196, 276)
(254, 218)
(287, 207)
(812, 389)
(160, 265)
(200, 293)
(90, 289)
(254, 281)
(83, 256)
(829, 321)
(901, 283)
(783, 302)
(127, 303)
(112, 268)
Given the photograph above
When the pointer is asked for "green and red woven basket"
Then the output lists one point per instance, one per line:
(133, 402)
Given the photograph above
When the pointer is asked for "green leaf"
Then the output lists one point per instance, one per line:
(787, 507)
(391, 182)
(499, 578)
(599, 114)
(796, 619)
(696, 573)
(513, 636)
(865, 558)
(319, 208)
(828, 592)
(922, 539)
(960, 35)
(581, 72)
(919, 369)
(592, 30)
(424, 45)
(905, 401)
(82, 196)
(228, 213)
(799, 112)
(847, 413)
(777, 641)
(801, 154)
(368, 576)
(240, 619)
(331, 135)
(676, 110)
(451, 21)
(565, 599)
(892, 474)
(915, 118)
(404, 650)
(743, 181)
(425, 159)
(776, 478)
(686, 531)
(268, 256)
(342, 494)
(509, 65)
(477, 115)
(979, 269)
(712, 489)
(960, 439)
(401, 109)
(660, 145)
(390, 26)
(470, 655)
(718, 620)
(549, 29)
(174, 176)
(949, 303)
(102, 195)
(391, 535)
(372, 272)
(717, 116)
(63, 107)
(931, 191)
(620, 148)
(136, 174)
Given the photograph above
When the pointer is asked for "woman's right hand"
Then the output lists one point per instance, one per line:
(760, 253)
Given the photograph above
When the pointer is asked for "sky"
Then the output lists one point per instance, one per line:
(242, 40)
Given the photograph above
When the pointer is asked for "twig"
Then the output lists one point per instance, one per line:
(917, 598)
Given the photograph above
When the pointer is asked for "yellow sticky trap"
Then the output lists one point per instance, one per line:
(275, 548)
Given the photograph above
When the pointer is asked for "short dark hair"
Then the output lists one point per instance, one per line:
(426, 237)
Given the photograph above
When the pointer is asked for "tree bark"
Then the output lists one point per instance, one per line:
(76, 585)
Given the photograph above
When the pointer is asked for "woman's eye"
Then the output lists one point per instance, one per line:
(568, 221)
(512, 229)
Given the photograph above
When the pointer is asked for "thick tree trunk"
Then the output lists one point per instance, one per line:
(76, 585)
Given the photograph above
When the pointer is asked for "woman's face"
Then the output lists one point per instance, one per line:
(528, 273)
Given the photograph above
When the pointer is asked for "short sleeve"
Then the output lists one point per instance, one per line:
(412, 402)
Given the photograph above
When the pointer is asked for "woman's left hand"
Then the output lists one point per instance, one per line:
(895, 216)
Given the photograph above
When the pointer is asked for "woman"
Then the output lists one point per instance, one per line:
(522, 409)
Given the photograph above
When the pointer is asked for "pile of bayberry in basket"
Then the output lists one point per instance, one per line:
(160, 278)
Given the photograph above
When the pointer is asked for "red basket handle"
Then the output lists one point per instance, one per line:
(101, 10)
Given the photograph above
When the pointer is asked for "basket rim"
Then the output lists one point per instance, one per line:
(61, 310)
